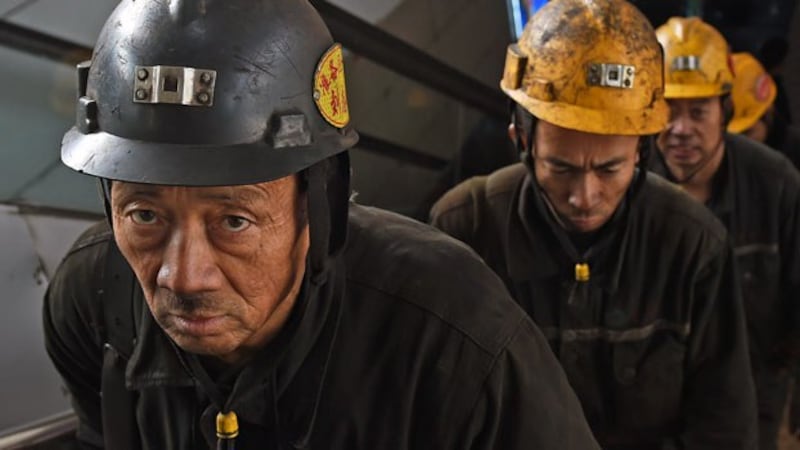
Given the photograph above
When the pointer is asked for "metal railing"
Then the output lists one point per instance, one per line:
(31, 437)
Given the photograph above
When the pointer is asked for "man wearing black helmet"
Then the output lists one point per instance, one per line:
(236, 299)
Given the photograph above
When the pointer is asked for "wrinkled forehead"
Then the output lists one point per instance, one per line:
(264, 194)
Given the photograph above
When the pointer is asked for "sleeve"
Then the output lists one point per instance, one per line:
(788, 352)
(791, 146)
(72, 340)
(720, 404)
(457, 212)
(527, 401)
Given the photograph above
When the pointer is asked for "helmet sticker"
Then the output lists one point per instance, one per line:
(330, 92)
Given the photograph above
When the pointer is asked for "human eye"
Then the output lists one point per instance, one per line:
(697, 113)
(235, 224)
(610, 170)
(143, 217)
(560, 169)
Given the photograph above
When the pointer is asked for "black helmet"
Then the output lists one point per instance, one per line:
(209, 92)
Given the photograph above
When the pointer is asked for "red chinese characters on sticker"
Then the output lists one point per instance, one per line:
(330, 93)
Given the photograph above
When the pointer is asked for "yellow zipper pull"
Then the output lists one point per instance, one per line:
(582, 272)
(227, 430)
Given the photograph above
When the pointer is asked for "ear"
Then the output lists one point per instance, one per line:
(518, 137)
(512, 132)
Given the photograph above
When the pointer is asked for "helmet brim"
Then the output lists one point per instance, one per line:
(679, 91)
(108, 156)
(650, 120)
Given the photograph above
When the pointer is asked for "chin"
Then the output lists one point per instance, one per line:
(684, 159)
(587, 225)
(206, 346)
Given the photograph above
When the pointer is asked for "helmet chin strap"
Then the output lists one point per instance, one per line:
(105, 189)
(328, 197)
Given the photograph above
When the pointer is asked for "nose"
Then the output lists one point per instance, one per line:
(189, 264)
(680, 125)
(585, 193)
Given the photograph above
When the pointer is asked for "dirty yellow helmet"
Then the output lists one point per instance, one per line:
(592, 66)
(753, 92)
(696, 59)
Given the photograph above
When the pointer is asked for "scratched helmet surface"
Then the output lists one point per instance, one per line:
(209, 92)
(589, 65)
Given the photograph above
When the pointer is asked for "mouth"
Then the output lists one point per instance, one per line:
(585, 223)
(681, 152)
(198, 325)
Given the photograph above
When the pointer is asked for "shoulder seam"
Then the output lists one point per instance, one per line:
(504, 342)
(89, 242)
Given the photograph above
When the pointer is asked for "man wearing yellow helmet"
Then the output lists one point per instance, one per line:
(753, 190)
(631, 281)
(754, 113)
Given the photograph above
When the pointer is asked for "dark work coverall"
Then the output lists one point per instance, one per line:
(756, 194)
(415, 345)
(654, 343)
(785, 138)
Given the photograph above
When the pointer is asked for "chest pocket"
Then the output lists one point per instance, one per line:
(759, 268)
(649, 376)
(759, 273)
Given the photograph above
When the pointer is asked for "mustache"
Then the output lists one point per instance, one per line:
(679, 139)
(196, 305)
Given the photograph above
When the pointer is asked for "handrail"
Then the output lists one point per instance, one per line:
(38, 433)
(389, 51)
(45, 45)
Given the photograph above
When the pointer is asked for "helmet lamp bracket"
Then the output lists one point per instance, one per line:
(611, 75)
(174, 85)
(690, 62)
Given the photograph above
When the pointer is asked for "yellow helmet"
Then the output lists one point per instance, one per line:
(592, 66)
(696, 59)
(753, 92)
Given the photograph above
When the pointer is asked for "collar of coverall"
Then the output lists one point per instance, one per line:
(722, 195)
